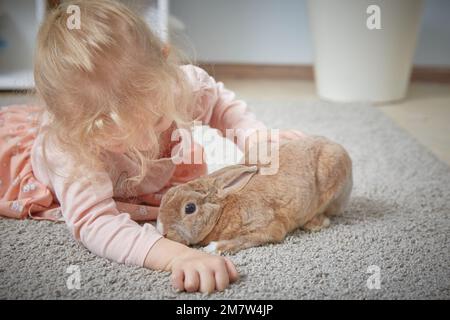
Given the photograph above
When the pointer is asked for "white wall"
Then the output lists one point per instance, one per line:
(277, 31)
(245, 31)
(434, 38)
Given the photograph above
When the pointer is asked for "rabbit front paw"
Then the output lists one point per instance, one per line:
(219, 247)
(211, 247)
(317, 223)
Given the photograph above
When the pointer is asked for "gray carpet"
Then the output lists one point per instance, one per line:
(398, 220)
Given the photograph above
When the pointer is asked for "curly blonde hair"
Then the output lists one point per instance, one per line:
(107, 82)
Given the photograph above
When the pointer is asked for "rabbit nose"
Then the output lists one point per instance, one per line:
(160, 227)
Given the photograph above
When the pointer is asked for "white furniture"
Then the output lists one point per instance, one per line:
(19, 23)
(357, 62)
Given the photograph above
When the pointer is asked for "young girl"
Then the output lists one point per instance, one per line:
(98, 154)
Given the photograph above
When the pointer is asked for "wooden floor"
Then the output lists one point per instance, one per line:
(425, 113)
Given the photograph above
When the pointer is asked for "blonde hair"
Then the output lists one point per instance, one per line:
(110, 79)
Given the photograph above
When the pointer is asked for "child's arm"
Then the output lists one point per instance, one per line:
(89, 209)
(218, 107)
(91, 214)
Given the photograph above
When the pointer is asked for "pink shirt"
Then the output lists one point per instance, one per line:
(89, 209)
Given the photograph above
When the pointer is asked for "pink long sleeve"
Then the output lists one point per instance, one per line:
(218, 107)
(91, 214)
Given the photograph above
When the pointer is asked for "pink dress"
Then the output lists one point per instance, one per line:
(97, 212)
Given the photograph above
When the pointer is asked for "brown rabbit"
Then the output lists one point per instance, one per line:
(236, 208)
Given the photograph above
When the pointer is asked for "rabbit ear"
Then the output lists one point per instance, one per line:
(233, 179)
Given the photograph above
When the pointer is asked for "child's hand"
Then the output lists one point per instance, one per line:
(192, 270)
(266, 135)
(265, 139)
(198, 271)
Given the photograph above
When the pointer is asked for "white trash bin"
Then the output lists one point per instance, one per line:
(356, 63)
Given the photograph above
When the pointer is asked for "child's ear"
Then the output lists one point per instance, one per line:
(166, 51)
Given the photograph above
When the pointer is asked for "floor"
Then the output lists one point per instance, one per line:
(425, 113)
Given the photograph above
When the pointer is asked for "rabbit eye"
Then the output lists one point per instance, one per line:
(190, 208)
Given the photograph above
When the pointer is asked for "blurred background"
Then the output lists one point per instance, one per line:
(394, 54)
(278, 32)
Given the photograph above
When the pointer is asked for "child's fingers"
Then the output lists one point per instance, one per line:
(178, 279)
(232, 271)
(222, 277)
(207, 281)
(191, 280)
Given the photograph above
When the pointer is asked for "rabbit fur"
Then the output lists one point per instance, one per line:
(237, 208)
